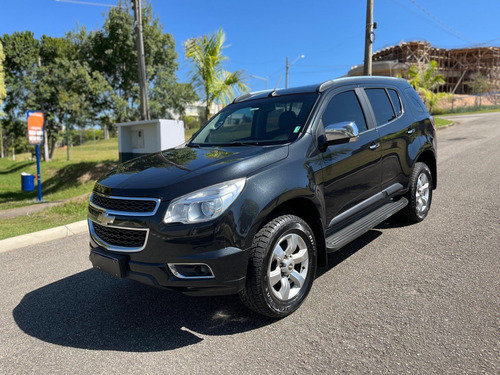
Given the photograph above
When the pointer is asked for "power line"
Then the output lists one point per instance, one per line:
(87, 3)
(449, 28)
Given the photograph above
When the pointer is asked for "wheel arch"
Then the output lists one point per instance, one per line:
(429, 159)
(307, 211)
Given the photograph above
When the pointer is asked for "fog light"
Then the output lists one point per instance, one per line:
(191, 271)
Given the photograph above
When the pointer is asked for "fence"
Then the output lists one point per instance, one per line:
(466, 103)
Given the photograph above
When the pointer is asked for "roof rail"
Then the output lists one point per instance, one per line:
(326, 85)
(242, 97)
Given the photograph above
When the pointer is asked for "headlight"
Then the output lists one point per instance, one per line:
(205, 204)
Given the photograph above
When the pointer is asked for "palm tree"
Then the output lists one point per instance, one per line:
(208, 73)
(425, 81)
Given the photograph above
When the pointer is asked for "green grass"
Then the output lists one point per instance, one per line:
(48, 218)
(189, 133)
(61, 179)
(441, 122)
(472, 112)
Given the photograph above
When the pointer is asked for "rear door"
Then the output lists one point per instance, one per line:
(351, 171)
(397, 134)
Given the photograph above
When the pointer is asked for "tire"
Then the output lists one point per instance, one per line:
(419, 195)
(282, 267)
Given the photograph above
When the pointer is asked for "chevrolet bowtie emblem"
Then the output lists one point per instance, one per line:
(105, 219)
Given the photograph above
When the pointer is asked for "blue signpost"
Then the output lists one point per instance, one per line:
(35, 137)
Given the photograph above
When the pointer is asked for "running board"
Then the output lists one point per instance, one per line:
(363, 225)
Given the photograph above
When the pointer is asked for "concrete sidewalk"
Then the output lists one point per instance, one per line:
(11, 213)
(28, 210)
(42, 236)
(29, 239)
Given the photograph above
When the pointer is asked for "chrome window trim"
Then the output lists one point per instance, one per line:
(110, 247)
(126, 213)
(385, 88)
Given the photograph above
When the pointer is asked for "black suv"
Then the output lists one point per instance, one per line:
(255, 200)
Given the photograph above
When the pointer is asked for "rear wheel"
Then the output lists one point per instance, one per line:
(282, 267)
(420, 194)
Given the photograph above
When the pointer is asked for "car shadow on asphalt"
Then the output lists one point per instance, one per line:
(92, 310)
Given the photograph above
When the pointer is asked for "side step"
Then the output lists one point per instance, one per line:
(363, 225)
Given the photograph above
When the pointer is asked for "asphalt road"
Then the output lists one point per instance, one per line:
(418, 299)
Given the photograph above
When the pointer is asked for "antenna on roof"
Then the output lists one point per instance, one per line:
(273, 93)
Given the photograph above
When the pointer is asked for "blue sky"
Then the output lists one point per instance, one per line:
(261, 34)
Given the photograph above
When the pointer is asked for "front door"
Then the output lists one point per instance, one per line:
(351, 171)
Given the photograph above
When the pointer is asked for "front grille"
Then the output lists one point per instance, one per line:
(94, 211)
(120, 237)
(125, 204)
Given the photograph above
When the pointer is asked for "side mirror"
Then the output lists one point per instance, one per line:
(341, 132)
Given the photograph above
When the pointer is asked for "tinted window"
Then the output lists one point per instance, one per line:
(262, 121)
(344, 107)
(417, 102)
(395, 101)
(381, 105)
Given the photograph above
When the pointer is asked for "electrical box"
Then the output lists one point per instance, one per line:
(139, 138)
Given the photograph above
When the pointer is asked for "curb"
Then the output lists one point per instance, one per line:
(35, 238)
(447, 126)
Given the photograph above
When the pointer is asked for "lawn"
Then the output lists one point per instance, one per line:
(472, 112)
(66, 213)
(441, 122)
(61, 179)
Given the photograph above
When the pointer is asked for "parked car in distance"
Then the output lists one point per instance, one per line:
(259, 196)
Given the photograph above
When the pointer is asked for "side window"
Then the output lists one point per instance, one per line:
(344, 107)
(417, 102)
(381, 105)
(396, 102)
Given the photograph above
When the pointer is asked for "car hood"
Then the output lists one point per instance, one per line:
(175, 172)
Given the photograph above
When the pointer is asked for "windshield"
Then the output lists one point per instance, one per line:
(271, 120)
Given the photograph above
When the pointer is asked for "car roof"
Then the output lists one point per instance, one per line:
(318, 87)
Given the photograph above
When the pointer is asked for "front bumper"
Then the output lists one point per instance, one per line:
(228, 265)
(137, 245)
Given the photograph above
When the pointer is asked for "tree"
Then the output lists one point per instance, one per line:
(209, 77)
(3, 94)
(119, 65)
(21, 51)
(480, 85)
(87, 77)
(426, 82)
(43, 75)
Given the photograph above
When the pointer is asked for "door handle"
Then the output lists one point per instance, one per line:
(373, 146)
(410, 131)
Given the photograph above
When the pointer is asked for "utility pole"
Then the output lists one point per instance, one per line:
(369, 38)
(288, 65)
(139, 43)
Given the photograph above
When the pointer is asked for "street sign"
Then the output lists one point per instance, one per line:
(35, 127)
(35, 137)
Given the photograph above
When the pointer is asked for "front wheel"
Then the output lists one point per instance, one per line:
(419, 194)
(282, 267)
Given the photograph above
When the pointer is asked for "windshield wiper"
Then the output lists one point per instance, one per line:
(241, 143)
